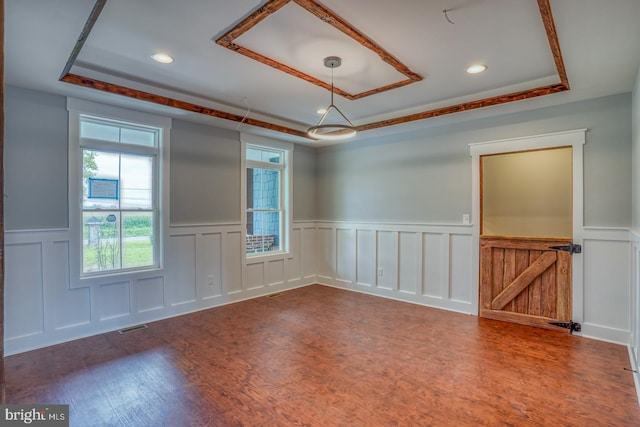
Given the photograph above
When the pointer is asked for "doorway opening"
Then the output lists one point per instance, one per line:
(527, 217)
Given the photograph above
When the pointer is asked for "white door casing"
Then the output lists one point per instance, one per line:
(575, 139)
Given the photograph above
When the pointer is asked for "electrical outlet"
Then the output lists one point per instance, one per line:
(211, 281)
(380, 271)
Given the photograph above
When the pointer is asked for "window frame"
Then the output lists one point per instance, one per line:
(160, 176)
(286, 191)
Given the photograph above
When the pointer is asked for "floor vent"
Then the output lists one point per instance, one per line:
(274, 295)
(132, 328)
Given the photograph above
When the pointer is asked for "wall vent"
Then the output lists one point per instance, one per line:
(132, 328)
(277, 294)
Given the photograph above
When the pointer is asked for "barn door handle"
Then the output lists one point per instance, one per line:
(571, 248)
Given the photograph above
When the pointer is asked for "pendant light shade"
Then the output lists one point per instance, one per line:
(332, 131)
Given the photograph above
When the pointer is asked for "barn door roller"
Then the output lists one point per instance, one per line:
(571, 248)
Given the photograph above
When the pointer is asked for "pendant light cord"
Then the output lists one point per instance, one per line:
(332, 85)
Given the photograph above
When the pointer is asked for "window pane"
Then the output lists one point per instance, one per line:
(104, 168)
(136, 177)
(137, 239)
(266, 232)
(264, 155)
(265, 189)
(249, 223)
(249, 188)
(138, 137)
(105, 132)
(101, 241)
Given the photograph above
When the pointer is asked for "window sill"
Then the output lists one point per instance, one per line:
(125, 275)
(265, 257)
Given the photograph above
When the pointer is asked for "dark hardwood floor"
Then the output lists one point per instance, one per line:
(320, 356)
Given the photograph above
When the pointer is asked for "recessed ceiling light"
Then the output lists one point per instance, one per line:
(163, 58)
(476, 68)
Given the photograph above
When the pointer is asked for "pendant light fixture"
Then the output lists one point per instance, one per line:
(332, 131)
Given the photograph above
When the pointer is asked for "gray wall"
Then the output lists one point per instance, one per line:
(425, 177)
(35, 164)
(636, 154)
(205, 174)
(419, 177)
(304, 183)
(204, 167)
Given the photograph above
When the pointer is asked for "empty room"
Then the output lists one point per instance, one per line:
(319, 212)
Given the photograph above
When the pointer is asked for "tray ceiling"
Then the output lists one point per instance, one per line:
(403, 61)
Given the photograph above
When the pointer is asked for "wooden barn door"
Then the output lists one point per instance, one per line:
(526, 238)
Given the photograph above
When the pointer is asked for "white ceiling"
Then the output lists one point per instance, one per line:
(598, 39)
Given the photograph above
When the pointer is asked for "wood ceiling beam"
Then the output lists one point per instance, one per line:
(251, 21)
(554, 44)
(84, 34)
(466, 106)
(325, 15)
(175, 103)
(328, 17)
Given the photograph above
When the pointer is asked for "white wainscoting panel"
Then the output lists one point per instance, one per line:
(181, 266)
(293, 264)
(423, 264)
(255, 276)
(388, 260)
(435, 265)
(326, 251)
(232, 262)
(148, 294)
(346, 255)
(209, 265)
(634, 340)
(112, 300)
(204, 267)
(59, 291)
(409, 262)
(24, 290)
(460, 269)
(275, 272)
(308, 251)
(606, 307)
(365, 257)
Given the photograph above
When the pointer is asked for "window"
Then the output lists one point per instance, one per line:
(266, 185)
(118, 217)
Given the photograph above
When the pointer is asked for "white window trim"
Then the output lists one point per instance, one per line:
(76, 108)
(286, 194)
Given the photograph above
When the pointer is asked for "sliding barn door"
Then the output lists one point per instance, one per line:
(525, 281)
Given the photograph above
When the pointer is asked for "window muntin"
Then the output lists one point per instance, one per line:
(120, 217)
(264, 155)
(106, 130)
(265, 207)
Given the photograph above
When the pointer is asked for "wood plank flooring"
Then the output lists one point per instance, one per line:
(319, 356)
